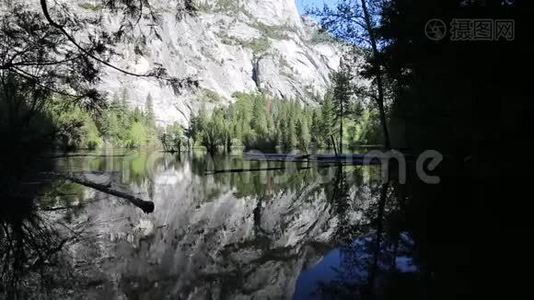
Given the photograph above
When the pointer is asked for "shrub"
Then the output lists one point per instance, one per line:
(137, 135)
(259, 45)
(90, 6)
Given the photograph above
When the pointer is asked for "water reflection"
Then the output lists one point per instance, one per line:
(324, 233)
(32, 251)
(372, 248)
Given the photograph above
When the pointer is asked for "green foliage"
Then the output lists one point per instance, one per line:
(74, 128)
(137, 135)
(215, 132)
(303, 135)
(210, 96)
(149, 110)
(124, 127)
(173, 138)
(255, 121)
(18, 109)
(342, 92)
(90, 6)
(118, 125)
(327, 121)
(322, 37)
(227, 6)
(365, 132)
(342, 95)
(259, 45)
(273, 31)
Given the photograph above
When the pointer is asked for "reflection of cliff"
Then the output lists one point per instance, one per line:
(206, 241)
(223, 236)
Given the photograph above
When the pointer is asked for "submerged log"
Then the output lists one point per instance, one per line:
(320, 164)
(348, 159)
(250, 170)
(146, 206)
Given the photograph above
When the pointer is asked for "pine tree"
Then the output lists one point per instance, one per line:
(289, 134)
(116, 101)
(124, 99)
(315, 128)
(328, 119)
(342, 94)
(303, 135)
(149, 111)
(259, 118)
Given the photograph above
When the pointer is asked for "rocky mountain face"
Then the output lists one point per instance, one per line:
(229, 46)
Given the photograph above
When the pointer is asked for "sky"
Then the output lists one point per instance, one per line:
(303, 4)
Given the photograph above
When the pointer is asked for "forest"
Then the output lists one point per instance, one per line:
(256, 122)
(32, 103)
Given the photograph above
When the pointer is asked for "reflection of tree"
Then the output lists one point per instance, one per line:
(286, 222)
(29, 247)
(369, 249)
(340, 197)
(253, 183)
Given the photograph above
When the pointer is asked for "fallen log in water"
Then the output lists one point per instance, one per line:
(146, 206)
(349, 159)
(318, 165)
(250, 170)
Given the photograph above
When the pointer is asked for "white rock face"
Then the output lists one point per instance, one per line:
(230, 46)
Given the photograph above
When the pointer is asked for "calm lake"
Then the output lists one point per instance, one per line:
(279, 234)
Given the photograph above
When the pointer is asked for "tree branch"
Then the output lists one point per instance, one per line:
(146, 206)
(44, 8)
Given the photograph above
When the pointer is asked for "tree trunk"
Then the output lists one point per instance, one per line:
(373, 272)
(146, 206)
(383, 118)
(378, 73)
(341, 129)
(333, 141)
(229, 145)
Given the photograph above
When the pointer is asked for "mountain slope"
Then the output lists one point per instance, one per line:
(230, 46)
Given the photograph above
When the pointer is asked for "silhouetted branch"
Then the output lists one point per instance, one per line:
(146, 206)
(158, 73)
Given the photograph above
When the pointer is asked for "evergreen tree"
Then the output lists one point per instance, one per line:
(137, 115)
(328, 119)
(303, 135)
(270, 119)
(316, 128)
(149, 111)
(289, 134)
(124, 99)
(357, 22)
(116, 101)
(257, 122)
(342, 94)
(259, 118)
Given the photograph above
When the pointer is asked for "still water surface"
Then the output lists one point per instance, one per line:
(280, 234)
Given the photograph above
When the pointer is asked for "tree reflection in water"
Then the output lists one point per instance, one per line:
(31, 251)
(373, 255)
(236, 235)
